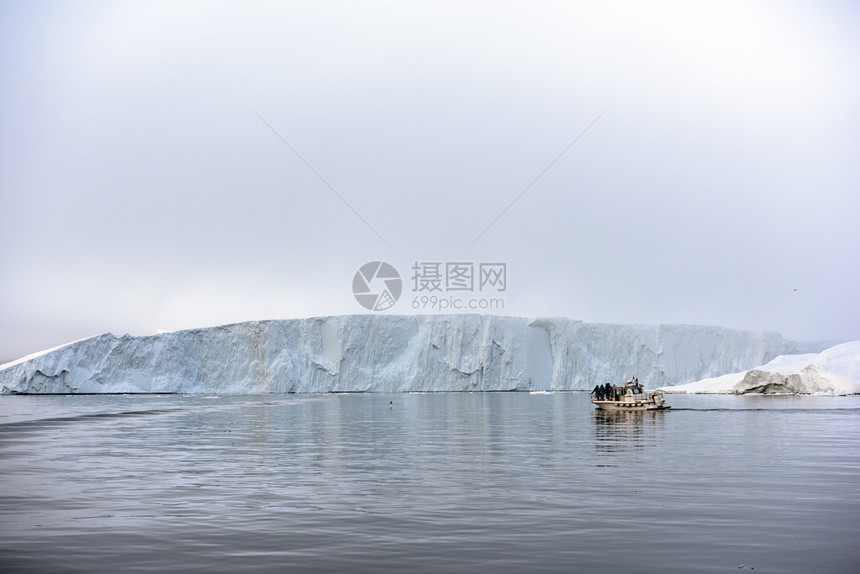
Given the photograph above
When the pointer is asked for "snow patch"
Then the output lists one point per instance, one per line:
(834, 371)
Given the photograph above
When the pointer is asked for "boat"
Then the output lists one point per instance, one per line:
(629, 397)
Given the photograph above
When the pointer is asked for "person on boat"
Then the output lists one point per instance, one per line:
(596, 392)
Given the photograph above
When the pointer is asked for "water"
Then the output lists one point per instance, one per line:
(454, 482)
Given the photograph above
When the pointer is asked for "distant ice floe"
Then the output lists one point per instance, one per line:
(834, 371)
(394, 353)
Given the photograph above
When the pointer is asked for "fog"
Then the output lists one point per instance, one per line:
(175, 165)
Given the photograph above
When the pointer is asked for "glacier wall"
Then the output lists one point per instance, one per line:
(390, 353)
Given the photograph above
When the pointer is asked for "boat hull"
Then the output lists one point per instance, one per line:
(629, 397)
(630, 406)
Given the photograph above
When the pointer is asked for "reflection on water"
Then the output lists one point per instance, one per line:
(620, 431)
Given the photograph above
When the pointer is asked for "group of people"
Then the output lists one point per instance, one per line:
(605, 392)
(609, 392)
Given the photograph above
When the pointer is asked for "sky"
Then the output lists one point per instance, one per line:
(172, 165)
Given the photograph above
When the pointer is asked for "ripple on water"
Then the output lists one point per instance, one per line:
(507, 482)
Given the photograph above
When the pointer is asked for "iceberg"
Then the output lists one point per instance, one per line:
(394, 353)
(833, 371)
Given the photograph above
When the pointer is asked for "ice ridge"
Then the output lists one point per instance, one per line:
(391, 353)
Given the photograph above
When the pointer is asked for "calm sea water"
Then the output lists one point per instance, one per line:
(450, 482)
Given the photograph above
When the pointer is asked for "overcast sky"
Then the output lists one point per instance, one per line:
(168, 165)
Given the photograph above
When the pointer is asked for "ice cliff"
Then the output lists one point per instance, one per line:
(389, 353)
(833, 371)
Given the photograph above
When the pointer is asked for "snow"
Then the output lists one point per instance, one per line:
(391, 353)
(34, 355)
(833, 371)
